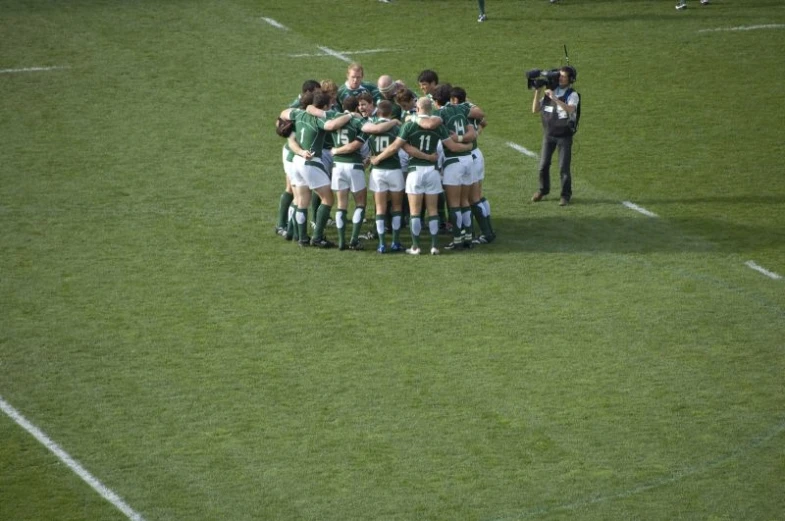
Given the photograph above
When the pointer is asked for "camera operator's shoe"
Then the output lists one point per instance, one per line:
(537, 197)
(681, 5)
(482, 18)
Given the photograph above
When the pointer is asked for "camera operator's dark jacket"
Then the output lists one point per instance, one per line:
(552, 124)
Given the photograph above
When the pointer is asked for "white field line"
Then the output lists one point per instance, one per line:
(31, 69)
(275, 23)
(72, 464)
(523, 150)
(335, 54)
(760, 269)
(640, 209)
(744, 28)
(346, 53)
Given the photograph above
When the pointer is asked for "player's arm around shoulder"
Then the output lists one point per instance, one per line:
(288, 114)
(428, 122)
(337, 122)
(379, 127)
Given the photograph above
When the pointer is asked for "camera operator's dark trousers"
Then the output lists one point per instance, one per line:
(549, 146)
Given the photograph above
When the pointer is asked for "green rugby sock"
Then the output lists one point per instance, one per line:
(340, 223)
(357, 222)
(283, 208)
(322, 214)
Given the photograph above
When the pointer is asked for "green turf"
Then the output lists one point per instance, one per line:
(593, 363)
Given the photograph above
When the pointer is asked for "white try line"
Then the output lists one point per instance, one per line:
(523, 150)
(744, 28)
(275, 24)
(760, 269)
(335, 54)
(31, 69)
(640, 209)
(342, 53)
(72, 464)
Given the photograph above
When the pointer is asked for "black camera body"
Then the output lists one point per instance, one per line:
(537, 78)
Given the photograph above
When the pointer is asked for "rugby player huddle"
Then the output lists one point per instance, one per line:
(425, 147)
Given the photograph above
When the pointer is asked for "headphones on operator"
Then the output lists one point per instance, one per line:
(572, 73)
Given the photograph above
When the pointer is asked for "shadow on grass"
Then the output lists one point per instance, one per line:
(573, 233)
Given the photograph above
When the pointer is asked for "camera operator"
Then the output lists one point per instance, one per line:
(558, 108)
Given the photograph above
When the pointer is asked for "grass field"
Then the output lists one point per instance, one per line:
(594, 363)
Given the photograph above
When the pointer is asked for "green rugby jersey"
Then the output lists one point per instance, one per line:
(472, 121)
(426, 141)
(378, 142)
(344, 92)
(352, 131)
(454, 118)
(309, 131)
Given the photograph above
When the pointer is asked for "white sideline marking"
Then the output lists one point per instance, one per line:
(637, 208)
(523, 150)
(347, 53)
(31, 69)
(275, 24)
(761, 269)
(70, 462)
(744, 28)
(335, 54)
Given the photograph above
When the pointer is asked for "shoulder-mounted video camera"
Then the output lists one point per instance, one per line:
(536, 78)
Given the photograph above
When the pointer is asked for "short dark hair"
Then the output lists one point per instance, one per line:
(572, 73)
(428, 76)
(366, 96)
(404, 96)
(310, 86)
(459, 93)
(350, 103)
(306, 99)
(321, 99)
(441, 94)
